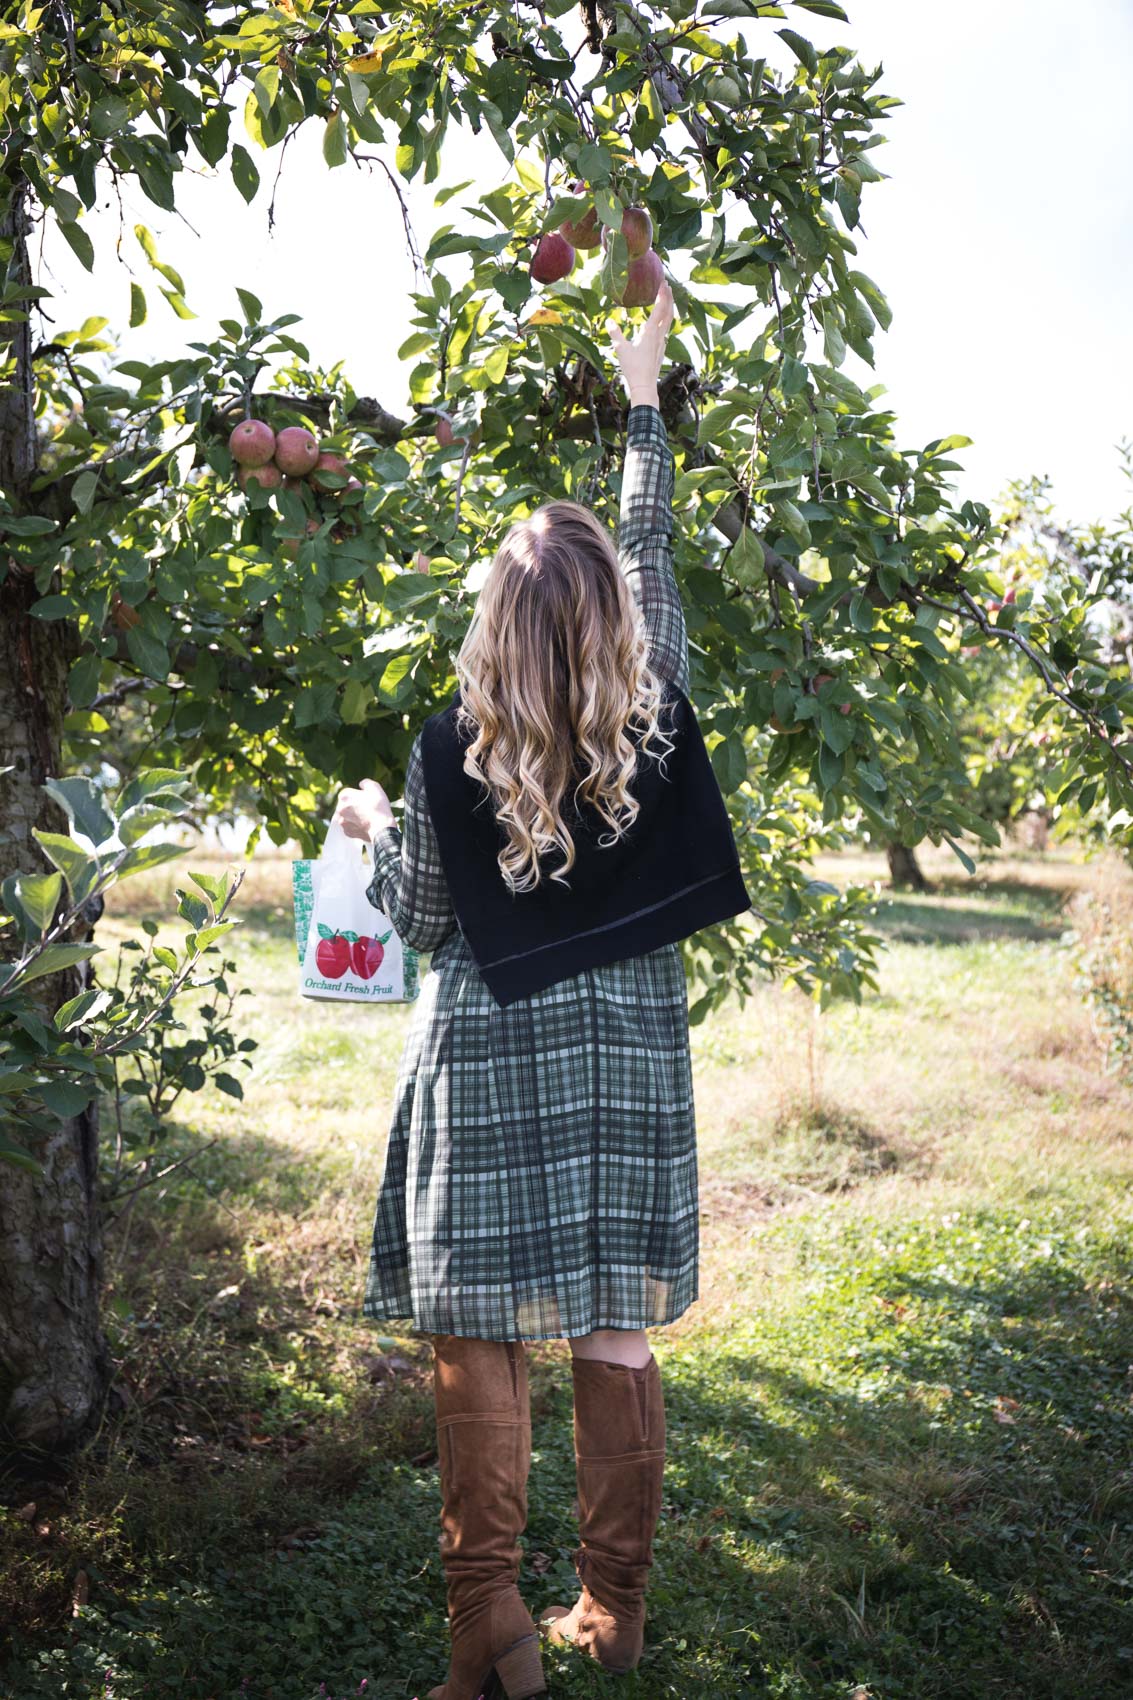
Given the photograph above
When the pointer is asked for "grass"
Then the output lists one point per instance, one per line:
(900, 1415)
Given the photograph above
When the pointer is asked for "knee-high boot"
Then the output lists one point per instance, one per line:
(619, 1438)
(484, 1453)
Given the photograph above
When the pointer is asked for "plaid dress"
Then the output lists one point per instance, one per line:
(540, 1178)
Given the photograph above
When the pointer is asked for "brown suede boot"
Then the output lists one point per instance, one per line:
(484, 1452)
(619, 1439)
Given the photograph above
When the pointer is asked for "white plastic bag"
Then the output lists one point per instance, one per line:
(348, 950)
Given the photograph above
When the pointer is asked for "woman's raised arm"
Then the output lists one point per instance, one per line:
(645, 530)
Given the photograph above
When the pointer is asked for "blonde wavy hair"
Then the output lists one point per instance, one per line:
(554, 675)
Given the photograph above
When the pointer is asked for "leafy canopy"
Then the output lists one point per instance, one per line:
(284, 639)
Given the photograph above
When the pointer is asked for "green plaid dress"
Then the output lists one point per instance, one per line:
(540, 1178)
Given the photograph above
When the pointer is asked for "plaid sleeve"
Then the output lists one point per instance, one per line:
(645, 541)
(409, 883)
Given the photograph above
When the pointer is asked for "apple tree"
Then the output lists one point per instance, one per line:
(273, 639)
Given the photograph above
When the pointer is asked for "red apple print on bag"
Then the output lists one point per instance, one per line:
(332, 957)
(366, 954)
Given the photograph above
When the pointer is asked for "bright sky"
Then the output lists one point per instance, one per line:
(1003, 240)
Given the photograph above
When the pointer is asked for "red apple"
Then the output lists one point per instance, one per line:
(444, 433)
(296, 451)
(269, 476)
(585, 232)
(637, 228)
(643, 280)
(421, 561)
(328, 462)
(252, 443)
(332, 956)
(552, 259)
(366, 955)
(123, 615)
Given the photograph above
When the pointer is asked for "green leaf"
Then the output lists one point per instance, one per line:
(148, 653)
(33, 898)
(136, 822)
(866, 287)
(178, 303)
(209, 935)
(86, 1007)
(356, 698)
(214, 886)
(50, 961)
(26, 525)
(861, 613)
(84, 806)
(792, 521)
(52, 608)
(794, 376)
(145, 787)
(594, 164)
(149, 249)
(251, 306)
(969, 865)
(800, 47)
(82, 680)
(83, 490)
(212, 137)
(79, 869)
(66, 1098)
(830, 766)
(729, 760)
(78, 241)
(191, 908)
(137, 306)
(834, 343)
(244, 173)
(229, 1083)
(16, 1081)
(335, 140)
(266, 87)
(143, 857)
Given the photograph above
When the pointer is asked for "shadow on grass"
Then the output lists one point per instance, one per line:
(929, 920)
(815, 1535)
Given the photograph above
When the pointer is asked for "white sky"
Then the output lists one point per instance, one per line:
(1003, 240)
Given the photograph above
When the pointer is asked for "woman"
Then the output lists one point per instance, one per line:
(562, 832)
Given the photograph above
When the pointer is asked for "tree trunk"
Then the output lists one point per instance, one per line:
(54, 1362)
(904, 869)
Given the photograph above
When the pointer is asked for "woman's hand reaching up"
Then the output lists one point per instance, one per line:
(364, 810)
(640, 360)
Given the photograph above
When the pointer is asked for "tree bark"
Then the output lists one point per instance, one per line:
(54, 1361)
(904, 869)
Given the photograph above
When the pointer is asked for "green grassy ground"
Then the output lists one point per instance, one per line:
(900, 1415)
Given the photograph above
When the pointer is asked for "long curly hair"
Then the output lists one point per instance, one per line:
(554, 678)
